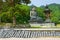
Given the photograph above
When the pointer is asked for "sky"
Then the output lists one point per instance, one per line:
(43, 2)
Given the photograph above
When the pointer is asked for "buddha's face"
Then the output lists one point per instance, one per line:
(33, 8)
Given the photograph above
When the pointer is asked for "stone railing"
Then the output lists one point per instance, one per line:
(8, 33)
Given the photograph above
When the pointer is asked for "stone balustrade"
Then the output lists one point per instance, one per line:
(28, 33)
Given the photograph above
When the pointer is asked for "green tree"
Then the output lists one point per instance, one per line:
(22, 13)
(55, 15)
(26, 1)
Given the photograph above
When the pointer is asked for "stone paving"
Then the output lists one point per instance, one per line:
(5, 33)
(48, 38)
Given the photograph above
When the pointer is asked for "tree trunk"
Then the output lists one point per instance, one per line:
(14, 18)
(14, 21)
(0, 16)
(0, 9)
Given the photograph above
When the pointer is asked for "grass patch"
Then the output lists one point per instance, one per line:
(10, 24)
(36, 27)
(58, 25)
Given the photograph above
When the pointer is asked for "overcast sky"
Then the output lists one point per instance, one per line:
(43, 2)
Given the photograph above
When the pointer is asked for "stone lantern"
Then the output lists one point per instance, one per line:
(47, 12)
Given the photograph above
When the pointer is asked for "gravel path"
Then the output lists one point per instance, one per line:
(30, 38)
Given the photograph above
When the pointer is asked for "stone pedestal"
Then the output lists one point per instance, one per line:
(42, 25)
(48, 20)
